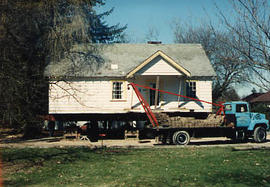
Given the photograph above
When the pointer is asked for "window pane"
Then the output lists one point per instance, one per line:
(241, 108)
(117, 90)
(191, 89)
(228, 107)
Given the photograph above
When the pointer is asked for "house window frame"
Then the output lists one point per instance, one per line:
(191, 88)
(122, 91)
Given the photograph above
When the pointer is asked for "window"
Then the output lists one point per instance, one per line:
(228, 107)
(241, 108)
(191, 89)
(117, 90)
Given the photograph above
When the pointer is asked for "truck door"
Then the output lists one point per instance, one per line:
(242, 115)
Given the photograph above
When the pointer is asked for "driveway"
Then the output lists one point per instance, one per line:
(130, 143)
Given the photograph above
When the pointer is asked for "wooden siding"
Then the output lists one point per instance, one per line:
(84, 97)
(158, 66)
(95, 96)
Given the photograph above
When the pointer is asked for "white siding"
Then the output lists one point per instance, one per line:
(158, 66)
(203, 92)
(95, 96)
(84, 97)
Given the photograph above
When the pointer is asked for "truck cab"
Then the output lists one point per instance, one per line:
(246, 123)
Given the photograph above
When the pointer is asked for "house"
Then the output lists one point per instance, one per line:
(98, 87)
(263, 98)
(251, 97)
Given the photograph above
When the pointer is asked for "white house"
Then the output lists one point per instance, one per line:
(100, 86)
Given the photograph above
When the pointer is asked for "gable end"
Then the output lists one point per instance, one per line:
(163, 55)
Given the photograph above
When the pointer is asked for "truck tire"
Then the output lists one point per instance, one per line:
(259, 134)
(181, 138)
(240, 136)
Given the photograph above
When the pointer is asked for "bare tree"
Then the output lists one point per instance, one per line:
(224, 59)
(152, 34)
(250, 29)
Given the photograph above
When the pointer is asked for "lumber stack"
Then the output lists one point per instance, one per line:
(190, 122)
(162, 118)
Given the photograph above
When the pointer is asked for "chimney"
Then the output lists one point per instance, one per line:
(154, 42)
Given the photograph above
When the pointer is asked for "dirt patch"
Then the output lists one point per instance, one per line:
(130, 143)
(11, 135)
(9, 138)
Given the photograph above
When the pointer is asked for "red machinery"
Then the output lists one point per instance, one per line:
(148, 110)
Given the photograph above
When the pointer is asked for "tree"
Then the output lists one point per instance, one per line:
(254, 90)
(100, 32)
(33, 34)
(224, 59)
(250, 29)
(152, 34)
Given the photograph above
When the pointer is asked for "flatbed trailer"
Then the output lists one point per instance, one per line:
(236, 122)
(182, 136)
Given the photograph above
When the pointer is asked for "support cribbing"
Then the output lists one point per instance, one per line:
(145, 106)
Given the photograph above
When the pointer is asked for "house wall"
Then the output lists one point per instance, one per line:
(176, 84)
(92, 96)
(95, 96)
(158, 66)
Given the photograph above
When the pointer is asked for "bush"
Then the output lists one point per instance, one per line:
(261, 108)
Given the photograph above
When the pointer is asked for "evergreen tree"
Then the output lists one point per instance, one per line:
(34, 33)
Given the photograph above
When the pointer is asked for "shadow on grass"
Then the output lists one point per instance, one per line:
(32, 159)
(235, 178)
(67, 154)
(215, 142)
(22, 140)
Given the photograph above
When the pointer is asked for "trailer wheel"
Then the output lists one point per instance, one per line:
(259, 134)
(181, 138)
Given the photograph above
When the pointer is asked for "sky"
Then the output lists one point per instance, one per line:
(160, 15)
(140, 16)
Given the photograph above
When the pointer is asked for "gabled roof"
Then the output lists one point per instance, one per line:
(262, 98)
(164, 56)
(252, 96)
(189, 58)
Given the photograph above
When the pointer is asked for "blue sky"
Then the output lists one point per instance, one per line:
(141, 15)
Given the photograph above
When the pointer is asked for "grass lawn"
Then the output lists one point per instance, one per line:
(187, 166)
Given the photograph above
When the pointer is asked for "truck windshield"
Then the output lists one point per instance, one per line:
(228, 107)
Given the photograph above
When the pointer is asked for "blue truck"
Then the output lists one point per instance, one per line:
(238, 123)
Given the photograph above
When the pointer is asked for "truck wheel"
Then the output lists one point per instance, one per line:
(240, 136)
(259, 135)
(181, 138)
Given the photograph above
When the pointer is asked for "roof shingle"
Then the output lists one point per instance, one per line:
(262, 98)
(128, 56)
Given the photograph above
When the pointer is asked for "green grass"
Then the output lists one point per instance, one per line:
(136, 167)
